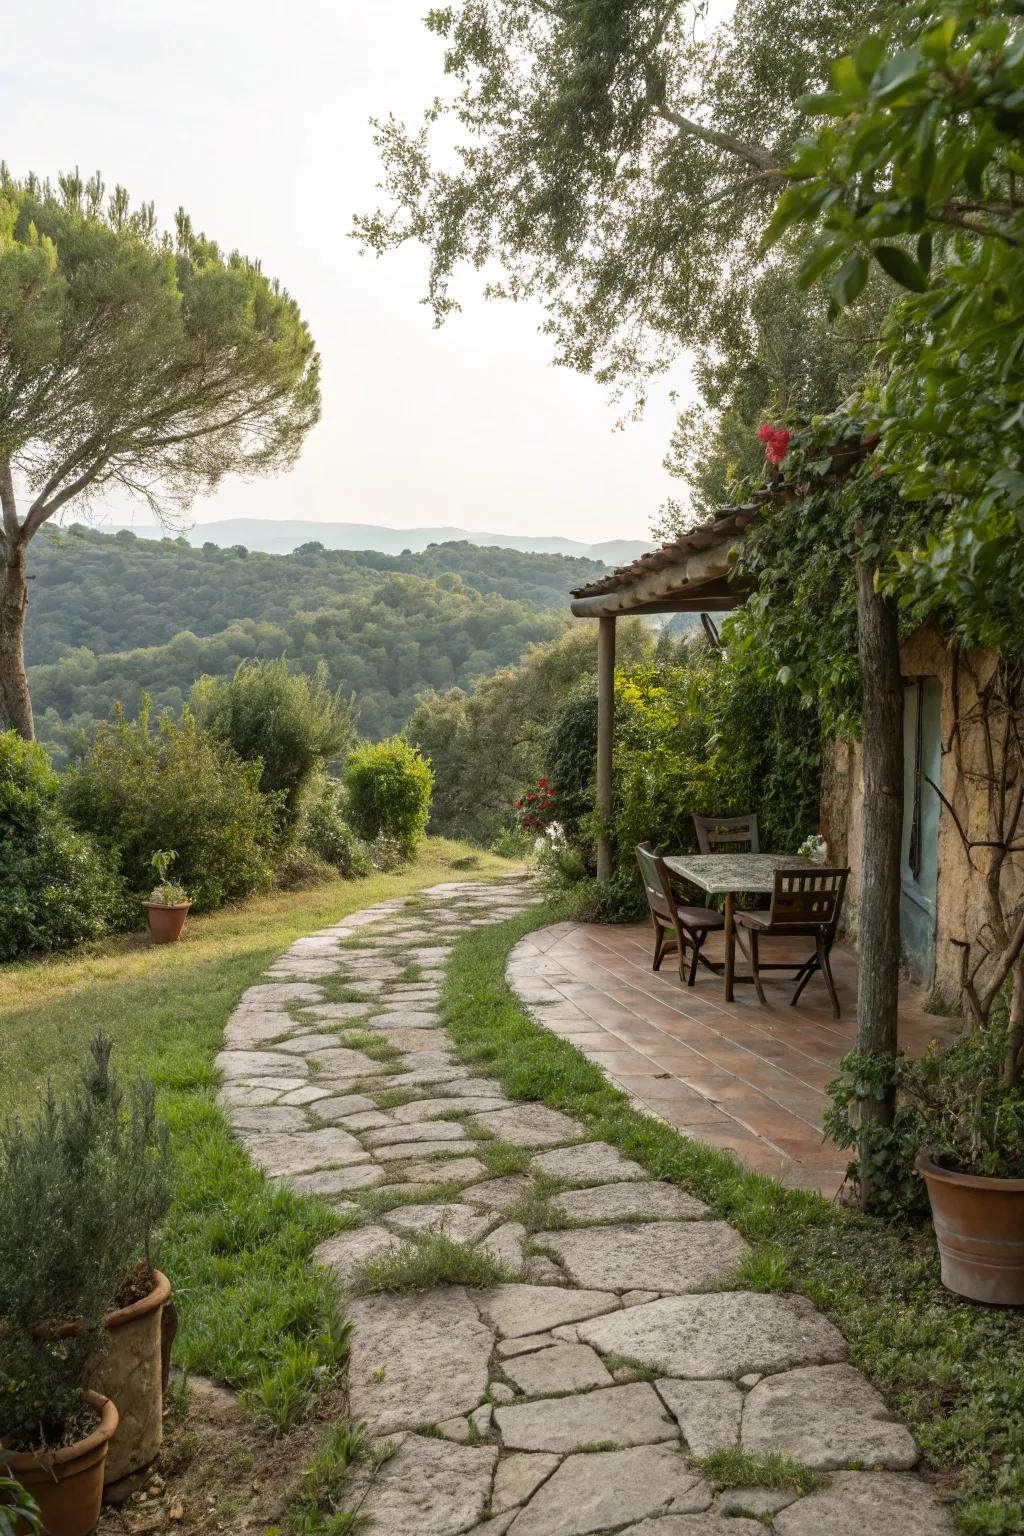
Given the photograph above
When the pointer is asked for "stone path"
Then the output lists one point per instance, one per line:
(571, 1398)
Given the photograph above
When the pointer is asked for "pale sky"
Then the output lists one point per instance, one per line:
(253, 115)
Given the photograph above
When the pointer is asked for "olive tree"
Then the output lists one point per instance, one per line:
(130, 360)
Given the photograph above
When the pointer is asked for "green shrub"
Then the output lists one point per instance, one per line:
(570, 757)
(698, 732)
(141, 788)
(389, 788)
(328, 836)
(59, 888)
(291, 723)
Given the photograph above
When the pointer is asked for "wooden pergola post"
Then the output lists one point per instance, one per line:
(605, 740)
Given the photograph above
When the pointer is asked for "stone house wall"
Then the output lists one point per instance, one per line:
(961, 880)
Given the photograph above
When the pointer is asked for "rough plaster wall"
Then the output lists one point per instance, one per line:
(961, 887)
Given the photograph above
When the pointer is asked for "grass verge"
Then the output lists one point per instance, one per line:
(953, 1370)
(254, 1313)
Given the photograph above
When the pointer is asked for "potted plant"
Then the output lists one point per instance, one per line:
(108, 1144)
(168, 902)
(957, 1138)
(134, 1147)
(54, 1206)
(971, 1136)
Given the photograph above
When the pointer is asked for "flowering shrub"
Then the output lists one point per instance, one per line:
(776, 442)
(535, 809)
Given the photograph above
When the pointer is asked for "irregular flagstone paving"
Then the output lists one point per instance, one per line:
(573, 1398)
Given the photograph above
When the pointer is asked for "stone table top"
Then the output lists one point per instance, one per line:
(720, 873)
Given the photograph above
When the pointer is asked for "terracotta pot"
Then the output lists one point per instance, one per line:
(131, 1373)
(979, 1223)
(68, 1485)
(166, 922)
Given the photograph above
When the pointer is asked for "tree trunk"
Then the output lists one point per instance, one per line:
(878, 965)
(15, 701)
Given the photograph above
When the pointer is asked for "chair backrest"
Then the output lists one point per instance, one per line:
(656, 880)
(727, 834)
(810, 897)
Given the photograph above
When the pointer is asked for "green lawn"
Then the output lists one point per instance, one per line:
(953, 1370)
(254, 1313)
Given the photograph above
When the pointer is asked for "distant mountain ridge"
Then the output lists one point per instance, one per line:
(280, 536)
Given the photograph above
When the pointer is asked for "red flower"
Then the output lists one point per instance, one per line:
(776, 442)
(542, 783)
(519, 805)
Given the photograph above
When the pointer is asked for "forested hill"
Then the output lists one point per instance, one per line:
(113, 615)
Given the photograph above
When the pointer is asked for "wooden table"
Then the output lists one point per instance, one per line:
(728, 875)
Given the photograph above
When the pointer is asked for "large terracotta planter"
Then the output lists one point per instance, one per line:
(166, 922)
(131, 1373)
(68, 1484)
(979, 1223)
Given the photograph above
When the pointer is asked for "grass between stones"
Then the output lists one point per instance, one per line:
(426, 1262)
(952, 1370)
(254, 1314)
(736, 1468)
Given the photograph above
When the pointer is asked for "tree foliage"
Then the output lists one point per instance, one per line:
(914, 171)
(119, 592)
(290, 723)
(121, 616)
(615, 161)
(610, 157)
(486, 744)
(130, 359)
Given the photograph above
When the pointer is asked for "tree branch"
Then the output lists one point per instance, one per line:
(41, 513)
(753, 154)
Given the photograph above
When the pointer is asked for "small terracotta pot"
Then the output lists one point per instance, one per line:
(68, 1484)
(166, 922)
(131, 1373)
(979, 1223)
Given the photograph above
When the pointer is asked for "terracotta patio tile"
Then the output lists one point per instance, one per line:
(747, 1078)
(624, 1062)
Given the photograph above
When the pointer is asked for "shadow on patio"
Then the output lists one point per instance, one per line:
(735, 1075)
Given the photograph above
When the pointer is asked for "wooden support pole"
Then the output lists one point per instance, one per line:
(605, 740)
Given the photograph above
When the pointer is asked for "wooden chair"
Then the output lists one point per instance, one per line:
(805, 903)
(689, 926)
(727, 834)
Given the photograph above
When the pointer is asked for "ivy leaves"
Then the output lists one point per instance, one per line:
(912, 168)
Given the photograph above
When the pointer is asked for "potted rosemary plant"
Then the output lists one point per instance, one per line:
(82, 1187)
